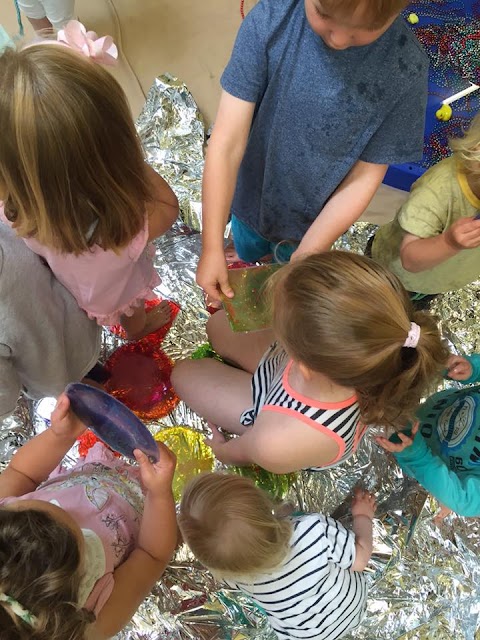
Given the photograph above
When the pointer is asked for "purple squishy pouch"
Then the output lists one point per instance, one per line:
(477, 216)
(111, 421)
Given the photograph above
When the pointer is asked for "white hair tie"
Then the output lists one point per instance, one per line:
(413, 336)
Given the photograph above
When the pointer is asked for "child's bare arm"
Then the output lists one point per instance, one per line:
(346, 205)
(157, 540)
(224, 155)
(33, 463)
(419, 254)
(162, 209)
(363, 510)
(134, 579)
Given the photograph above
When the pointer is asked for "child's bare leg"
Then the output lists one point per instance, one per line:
(141, 323)
(242, 349)
(215, 391)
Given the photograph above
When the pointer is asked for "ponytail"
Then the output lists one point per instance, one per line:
(393, 402)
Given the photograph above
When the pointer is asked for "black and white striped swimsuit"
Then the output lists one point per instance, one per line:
(272, 392)
(313, 594)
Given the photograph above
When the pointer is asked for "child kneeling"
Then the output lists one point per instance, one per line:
(304, 572)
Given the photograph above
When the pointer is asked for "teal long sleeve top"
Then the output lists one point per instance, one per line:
(445, 455)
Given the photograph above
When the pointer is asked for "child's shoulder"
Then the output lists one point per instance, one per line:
(400, 44)
(439, 176)
(270, 15)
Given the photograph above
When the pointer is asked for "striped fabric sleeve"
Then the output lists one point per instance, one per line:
(340, 542)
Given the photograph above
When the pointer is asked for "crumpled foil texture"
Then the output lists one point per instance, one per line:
(173, 135)
(425, 579)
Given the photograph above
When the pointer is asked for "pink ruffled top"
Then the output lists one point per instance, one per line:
(106, 284)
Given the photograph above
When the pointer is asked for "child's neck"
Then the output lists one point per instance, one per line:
(316, 385)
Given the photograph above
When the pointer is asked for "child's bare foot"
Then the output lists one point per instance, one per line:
(155, 319)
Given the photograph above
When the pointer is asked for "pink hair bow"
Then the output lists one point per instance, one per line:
(101, 50)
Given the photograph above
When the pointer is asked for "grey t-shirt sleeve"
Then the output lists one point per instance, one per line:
(245, 76)
(10, 385)
(399, 138)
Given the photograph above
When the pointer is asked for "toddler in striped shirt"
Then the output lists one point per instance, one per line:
(304, 572)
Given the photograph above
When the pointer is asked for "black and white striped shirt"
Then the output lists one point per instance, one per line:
(272, 392)
(314, 594)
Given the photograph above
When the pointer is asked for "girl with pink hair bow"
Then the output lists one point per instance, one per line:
(73, 180)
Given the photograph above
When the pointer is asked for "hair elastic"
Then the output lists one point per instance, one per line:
(413, 336)
(18, 610)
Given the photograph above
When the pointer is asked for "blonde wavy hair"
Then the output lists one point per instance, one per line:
(231, 526)
(344, 315)
(70, 157)
(373, 14)
(40, 567)
(467, 150)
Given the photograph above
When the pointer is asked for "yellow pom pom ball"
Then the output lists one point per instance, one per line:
(444, 113)
(413, 18)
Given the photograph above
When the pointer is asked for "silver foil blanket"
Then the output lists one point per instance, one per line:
(425, 579)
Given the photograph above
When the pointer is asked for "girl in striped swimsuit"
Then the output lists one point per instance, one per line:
(346, 350)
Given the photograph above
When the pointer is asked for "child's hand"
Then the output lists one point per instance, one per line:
(363, 504)
(458, 368)
(217, 439)
(64, 422)
(397, 447)
(212, 275)
(463, 234)
(157, 477)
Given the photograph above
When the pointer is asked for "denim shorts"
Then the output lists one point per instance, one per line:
(250, 246)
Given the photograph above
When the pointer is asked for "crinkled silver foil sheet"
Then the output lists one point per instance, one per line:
(173, 135)
(425, 579)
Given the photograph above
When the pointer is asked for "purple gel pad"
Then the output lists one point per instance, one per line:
(111, 421)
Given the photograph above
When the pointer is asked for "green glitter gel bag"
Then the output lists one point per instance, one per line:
(248, 310)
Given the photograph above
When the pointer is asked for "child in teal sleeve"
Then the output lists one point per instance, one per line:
(442, 450)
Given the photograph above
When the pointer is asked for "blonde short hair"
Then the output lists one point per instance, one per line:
(69, 154)
(231, 527)
(467, 149)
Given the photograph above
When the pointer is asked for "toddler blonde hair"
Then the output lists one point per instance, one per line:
(231, 527)
(344, 315)
(467, 150)
(370, 14)
(72, 172)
